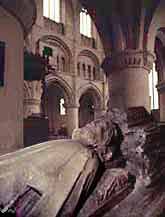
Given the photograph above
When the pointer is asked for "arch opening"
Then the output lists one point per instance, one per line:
(56, 103)
(89, 107)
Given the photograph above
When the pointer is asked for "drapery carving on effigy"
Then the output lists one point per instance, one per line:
(114, 186)
(80, 190)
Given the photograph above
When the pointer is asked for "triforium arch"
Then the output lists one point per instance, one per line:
(88, 65)
(90, 102)
(62, 58)
(58, 97)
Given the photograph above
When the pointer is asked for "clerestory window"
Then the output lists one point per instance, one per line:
(85, 23)
(51, 9)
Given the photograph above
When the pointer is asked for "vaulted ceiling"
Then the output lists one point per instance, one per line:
(24, 11)
(122, 24)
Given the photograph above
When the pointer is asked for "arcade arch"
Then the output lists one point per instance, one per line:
(57, 99)
(90, 105)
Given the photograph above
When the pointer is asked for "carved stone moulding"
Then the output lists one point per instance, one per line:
(129, 59)
(32, 101)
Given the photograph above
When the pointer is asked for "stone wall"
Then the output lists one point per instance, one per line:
(11, 94)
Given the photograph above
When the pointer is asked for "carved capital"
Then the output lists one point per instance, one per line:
(33, 90)
(128, 59)
(32, 97)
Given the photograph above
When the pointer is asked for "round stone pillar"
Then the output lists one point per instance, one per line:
(161, 91)
(32, 98)
(127, 73)
(73, 118)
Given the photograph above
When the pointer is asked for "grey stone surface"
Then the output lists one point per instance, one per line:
(53, 168)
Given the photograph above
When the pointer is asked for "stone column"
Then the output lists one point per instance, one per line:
(32, 98)
(127, 73)
(73, 118)
(161, 91)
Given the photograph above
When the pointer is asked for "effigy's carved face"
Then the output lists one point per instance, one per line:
(96, 135)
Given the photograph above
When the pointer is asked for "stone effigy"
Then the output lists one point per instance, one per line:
(94, 173)
(54, 168)
(104, 137)
(145, 154)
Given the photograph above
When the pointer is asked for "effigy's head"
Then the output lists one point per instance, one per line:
(101, 135)
(97, 133)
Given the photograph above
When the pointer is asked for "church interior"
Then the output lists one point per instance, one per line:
(82, 117)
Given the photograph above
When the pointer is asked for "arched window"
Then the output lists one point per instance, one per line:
(62, 107)
(153, 81)
(51, 9)
(85, 23)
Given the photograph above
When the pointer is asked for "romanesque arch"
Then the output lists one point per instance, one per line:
(88, 65)
(60, 57)
(52, 80)
(90, 104)
(58, 97)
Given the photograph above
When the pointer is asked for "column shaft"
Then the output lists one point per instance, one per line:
(128, 78)
(73, 119)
